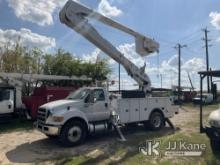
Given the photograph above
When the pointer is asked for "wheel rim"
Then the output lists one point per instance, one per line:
(156, 121)
(74, 134)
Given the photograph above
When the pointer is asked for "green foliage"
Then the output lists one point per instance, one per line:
(23, 60)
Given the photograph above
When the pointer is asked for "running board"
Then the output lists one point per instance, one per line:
(118, 131)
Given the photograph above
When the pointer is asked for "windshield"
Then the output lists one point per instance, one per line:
(4, 95)
(78, 94)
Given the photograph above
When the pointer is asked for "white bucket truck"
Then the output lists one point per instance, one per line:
(73, 118)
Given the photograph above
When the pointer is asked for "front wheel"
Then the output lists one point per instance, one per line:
(215, 145)
(156, 121)
(73, 133)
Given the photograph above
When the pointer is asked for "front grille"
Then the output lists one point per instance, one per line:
(41, 115)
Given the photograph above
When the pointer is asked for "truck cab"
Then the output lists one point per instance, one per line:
(82, 107)
(7, 98)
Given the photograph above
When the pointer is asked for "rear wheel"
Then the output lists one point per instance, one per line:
(156, 121)
(73, 133)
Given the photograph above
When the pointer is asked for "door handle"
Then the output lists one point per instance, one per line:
(9, 106)
(106, 105)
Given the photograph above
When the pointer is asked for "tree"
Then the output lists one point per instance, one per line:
(23, 60)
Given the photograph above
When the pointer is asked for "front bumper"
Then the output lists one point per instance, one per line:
(213, 133)
(47, 129)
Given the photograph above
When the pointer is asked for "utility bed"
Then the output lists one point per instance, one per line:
(132, 110)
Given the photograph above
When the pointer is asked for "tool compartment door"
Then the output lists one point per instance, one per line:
(144, 109)
(134, 110)
(124, 106)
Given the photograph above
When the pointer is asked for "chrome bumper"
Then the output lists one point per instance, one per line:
(47, 129)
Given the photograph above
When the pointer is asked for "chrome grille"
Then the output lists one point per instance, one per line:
(41, 115)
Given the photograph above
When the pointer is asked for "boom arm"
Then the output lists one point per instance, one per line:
(76, 16)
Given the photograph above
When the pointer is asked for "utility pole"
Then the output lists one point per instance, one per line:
(207, 56)
(179, 47)
(161, 81)
(119, 78)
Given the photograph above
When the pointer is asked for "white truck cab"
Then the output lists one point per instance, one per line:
(7, 97)
(73, 118)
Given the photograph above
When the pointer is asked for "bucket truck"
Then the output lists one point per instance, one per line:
(89, 109)
(12, 101)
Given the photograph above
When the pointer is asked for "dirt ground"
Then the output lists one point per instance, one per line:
(32, 147)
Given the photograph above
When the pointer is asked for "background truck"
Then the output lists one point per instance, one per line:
(207, 98)
(13, 101)
(83, 111)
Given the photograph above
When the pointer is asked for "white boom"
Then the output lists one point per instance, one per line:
(76, 16)
(34, 77)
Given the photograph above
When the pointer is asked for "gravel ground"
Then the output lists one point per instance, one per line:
(32, 147)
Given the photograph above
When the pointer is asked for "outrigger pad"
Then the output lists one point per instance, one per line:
(120, 134)
(133, 94)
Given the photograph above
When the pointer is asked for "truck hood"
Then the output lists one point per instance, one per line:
(215, 116)
(214, 119)
(61, 103)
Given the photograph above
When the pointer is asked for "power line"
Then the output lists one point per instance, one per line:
(192, 51)
(189, 36)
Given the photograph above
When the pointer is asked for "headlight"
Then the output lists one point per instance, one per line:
(57, 118)
(214, 123)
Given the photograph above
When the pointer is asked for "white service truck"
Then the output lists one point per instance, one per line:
(73, 118)
(10, 96)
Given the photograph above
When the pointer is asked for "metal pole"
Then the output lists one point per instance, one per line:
(179, 72)
(201, 110)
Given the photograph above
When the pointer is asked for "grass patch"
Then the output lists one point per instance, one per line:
(213, 106)
(128, 153)
(15, 125)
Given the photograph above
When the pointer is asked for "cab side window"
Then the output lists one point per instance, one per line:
(99, 95)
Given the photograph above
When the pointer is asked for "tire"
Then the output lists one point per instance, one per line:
(156, 121)
(215, 145)
(73, 133)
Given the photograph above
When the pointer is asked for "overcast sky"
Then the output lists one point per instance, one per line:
(169, 22)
